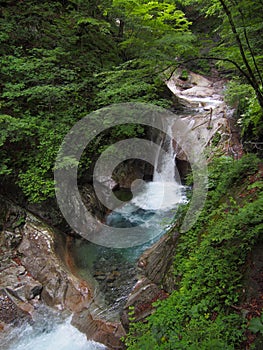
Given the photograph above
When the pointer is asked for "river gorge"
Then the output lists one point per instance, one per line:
(59, 289)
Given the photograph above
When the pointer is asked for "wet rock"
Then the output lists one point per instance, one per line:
(16, 283)
(60, 287)
(184, 168)
(35, 273)
(129, 171)
(12, 239)
(156, 261)
(12, 311)
(91, 201)
(16, 280)
(204, 112)
(103, 331)
(155, 281)
(34, 270)
(115, 276)
(198, 91)
(199, 80)
(50, 213)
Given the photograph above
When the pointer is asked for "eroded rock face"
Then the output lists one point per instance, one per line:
(156, 261)
(49, 212)
(155, 282)
(61, 289)
(32, 272)
(19, 290)
(98, 329)
(130, 170)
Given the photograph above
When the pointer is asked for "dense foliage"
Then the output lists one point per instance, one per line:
(63, 59)
(203, 313)
(49, 50)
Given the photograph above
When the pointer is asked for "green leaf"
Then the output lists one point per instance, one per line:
(256, 325)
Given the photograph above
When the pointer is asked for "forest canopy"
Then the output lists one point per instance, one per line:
(61, 60)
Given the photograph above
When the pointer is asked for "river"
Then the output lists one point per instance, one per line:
(153, 209)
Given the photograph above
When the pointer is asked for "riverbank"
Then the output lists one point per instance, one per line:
(41, 257)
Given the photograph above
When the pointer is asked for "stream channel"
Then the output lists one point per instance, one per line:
(152, 206)
(112, 270)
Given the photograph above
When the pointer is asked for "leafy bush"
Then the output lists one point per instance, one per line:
(249, 113)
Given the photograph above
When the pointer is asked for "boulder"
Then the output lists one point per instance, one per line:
(199, 80)
(61, 288)
(95, 327)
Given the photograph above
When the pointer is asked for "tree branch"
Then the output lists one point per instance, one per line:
(247, 41)
(224, 60)
(253, 80)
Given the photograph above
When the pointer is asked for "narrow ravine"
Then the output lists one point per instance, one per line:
(154, 204)
(153, 208)
(112, 273)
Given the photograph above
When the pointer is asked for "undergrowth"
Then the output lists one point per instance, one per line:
(209, 266)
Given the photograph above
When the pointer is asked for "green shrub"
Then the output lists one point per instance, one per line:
(209, 267)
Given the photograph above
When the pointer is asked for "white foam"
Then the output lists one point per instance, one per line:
(62, 337)
(160, 196)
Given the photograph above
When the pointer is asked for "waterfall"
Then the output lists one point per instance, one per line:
(164, 168)
(166, 191)
(153, 208)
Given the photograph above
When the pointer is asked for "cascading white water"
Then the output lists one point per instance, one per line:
(164, 169)
(155, 202)
(165, 191)
(152, 208)
(48, 332)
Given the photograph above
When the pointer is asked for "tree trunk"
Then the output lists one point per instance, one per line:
(250, 75)
(121, 29)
